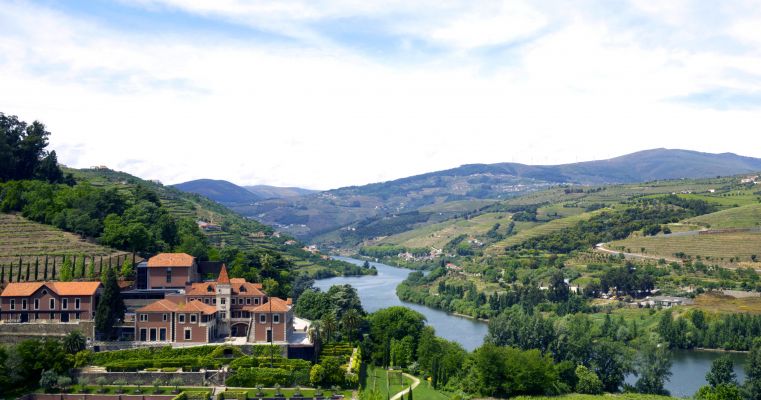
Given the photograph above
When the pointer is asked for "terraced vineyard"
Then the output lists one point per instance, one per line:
(739, 217)
(539, 230)
(723, 248)
(21, 239)
(437, 235)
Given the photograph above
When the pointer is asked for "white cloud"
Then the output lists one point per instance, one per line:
(318, 113)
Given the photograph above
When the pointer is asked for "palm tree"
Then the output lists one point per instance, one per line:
(350, 323)
(314, 333)
(329, 326)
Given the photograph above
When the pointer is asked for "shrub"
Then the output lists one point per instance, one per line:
(233, 394)
(248, 377)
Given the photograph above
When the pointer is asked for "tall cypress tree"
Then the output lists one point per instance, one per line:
(28, 267)
(36, 268)
(110, 307)
(52, 272)
(45, 270)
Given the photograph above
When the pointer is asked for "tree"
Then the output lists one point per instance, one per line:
(176, 382)
(587, 381)
(329, 326)
(63, 383)
(350, 322)
(723, 391)
(753, 371)
(74, 342)
(48, 380)
(101, 381)
(653, 368)
(127, 269)
(110, 307)
(67, 270)
(722, 372)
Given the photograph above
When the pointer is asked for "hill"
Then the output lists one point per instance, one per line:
(30, 242)
(321, 213)
(219, 190)
(231, 230)
(277, 192)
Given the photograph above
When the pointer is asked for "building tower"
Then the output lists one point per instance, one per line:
(224, 295)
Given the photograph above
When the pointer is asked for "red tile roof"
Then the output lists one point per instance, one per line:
(223, 278)
(170, 306)
(278, 305)
(171, 260)
(237, 287)
(23, 289)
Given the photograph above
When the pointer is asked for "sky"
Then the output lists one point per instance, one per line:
(324, 94)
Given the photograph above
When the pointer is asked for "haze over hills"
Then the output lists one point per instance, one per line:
(277, 192)
(311, 215)
(218, 190)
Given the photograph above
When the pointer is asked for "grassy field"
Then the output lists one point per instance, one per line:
(543, 229)
(377, 378)
(748, 216)
(21, 238)
(719, 248)
(424, 391)
(726, 304)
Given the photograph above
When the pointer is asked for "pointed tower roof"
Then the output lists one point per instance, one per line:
(223, 278)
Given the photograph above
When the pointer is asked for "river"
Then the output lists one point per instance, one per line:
(688, 367)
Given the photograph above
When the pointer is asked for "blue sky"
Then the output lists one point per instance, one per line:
(324, 94)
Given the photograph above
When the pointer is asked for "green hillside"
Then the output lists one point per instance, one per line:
(748, 216)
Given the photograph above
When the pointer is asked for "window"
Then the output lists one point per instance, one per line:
(206, 300)
(275, 318)
(222, 301)
(187, 333)
(181, 318)
(162, 334)
(223, 315)
(23, 304)
(52, 304)
(168, 275)
(13, 304)
(64, 304)
(143, 317)
(248, 300)
(143, 335)
(164, 317)
(214, 301)
(77, 303)
(262, 318)
(36, 304)
(193, 318)
(44, 292)
(256, 301)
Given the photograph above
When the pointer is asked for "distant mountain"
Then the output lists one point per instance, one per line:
(642, 166)
(319, 213)
(218, 190)
(276, 192)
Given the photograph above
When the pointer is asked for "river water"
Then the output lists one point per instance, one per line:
(688, 367)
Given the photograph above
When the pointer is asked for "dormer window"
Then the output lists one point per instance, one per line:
(209, 289)
(243, 289)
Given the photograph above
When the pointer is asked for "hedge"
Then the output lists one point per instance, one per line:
(186, 363)
(276, 362)
(233, 394)
(192, 395)
(167, 352)
(251, 377)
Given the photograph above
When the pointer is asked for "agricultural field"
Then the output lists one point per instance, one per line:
(717, 303)
(28, 241)
(539, 230)
(748, 216)
(732, 247)
(438, 235)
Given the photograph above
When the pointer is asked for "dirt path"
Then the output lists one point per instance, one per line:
(600, 247)
(415, 382)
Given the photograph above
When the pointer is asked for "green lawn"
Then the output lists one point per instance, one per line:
(424, 391)
(377, 379)
(253, 393)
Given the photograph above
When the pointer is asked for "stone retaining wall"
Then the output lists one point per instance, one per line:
(40, 396)
(13, 333)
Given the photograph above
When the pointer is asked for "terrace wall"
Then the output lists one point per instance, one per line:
(13, 333)
(44, 396)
